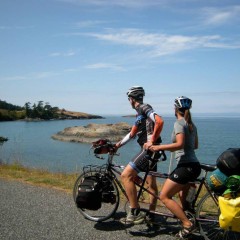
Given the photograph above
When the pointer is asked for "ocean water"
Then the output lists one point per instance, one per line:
(30, 143)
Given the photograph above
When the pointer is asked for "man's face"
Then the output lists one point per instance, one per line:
(131, 101)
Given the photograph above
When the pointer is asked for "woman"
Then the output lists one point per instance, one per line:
(184, 141)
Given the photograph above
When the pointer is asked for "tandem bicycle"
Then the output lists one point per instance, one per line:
(205, 212)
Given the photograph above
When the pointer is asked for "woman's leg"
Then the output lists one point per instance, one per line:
(169, 189)
(183, 195)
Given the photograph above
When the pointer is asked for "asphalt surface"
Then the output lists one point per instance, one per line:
(31, 212)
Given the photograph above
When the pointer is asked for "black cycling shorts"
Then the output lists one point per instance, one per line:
(185, 172)
(143, 161)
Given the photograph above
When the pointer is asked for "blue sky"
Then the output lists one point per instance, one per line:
(84, 55)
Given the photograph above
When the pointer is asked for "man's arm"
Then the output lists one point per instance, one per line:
(157, 127)
(128, 137)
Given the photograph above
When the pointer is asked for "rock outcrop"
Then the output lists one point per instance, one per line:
(64, 114)
(92, 132)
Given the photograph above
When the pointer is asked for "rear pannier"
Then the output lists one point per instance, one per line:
(229, 162)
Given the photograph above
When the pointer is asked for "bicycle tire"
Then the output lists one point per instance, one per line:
(107, 210)
(207, 209)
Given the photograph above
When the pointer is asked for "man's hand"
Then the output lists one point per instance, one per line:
(147, 145)
(117, 145)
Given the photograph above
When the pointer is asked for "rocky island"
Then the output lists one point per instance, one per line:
(92, 132)
(65, 114)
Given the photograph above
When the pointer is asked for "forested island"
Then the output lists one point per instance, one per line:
(39, 111)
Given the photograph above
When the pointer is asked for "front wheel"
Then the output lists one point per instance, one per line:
(110, 198)
(207, 214)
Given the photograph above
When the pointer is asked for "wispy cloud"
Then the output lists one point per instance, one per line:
(156, 44)
(88, 24)
(30, 76)
(219, 16)
(122, 3)
(15, 27)
(105, 66)
(63, 54)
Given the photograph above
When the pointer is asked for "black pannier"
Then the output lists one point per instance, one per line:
(90, 193)
(229, 162)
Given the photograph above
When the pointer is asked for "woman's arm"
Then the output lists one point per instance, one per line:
(179, 144)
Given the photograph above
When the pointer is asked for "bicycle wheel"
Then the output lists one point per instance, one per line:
(207, 215)
(110, 198)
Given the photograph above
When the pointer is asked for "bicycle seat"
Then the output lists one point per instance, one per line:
(208, 167)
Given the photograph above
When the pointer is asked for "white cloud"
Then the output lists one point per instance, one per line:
(105, 66)
(62, 54)
(15, 27)
(31, 76)
(88, 23)
(162, 44)
(122, 3)
(219, 16)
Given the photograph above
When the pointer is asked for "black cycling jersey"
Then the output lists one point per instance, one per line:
(145, 123)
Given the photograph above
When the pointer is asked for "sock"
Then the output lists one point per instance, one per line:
(135, 211)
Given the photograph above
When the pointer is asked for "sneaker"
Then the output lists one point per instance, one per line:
(133, 219)
(185, 232)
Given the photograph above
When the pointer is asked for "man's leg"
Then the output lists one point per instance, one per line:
(134, 216)
(128, 176)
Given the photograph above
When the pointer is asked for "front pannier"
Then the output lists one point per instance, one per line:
(89, 193)
(229, 162)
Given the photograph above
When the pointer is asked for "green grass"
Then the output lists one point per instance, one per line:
(38, 177)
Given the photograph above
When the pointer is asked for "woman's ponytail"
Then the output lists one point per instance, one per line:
(188, 119)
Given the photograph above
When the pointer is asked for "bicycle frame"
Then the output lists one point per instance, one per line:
(205, 207)
(117, 169)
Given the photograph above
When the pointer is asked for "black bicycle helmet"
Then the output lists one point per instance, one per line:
(136, 92)
(183, 103)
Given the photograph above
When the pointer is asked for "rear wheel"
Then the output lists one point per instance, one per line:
(110, 198)
(208, 212)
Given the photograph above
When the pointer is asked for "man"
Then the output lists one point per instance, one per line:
(147, 127)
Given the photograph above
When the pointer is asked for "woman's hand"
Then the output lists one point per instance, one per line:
(155, 148)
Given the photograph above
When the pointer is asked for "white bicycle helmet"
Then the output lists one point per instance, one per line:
(136, 92)
(183, 103)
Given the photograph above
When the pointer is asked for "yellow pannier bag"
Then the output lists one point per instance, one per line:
(229, 218)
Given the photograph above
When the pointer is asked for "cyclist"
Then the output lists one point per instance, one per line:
(148, 126)
(184, 142)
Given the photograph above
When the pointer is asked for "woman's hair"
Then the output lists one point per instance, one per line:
(188, 119)
(187, 116)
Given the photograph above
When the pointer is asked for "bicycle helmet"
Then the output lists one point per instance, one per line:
(183, 103)
(136, 92)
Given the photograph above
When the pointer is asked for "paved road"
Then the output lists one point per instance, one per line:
(30, 213)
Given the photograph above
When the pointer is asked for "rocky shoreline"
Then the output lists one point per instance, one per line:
(92, 132)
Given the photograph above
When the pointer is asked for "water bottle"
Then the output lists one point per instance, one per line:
(191, 193)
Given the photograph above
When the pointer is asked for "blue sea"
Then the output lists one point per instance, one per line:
(30, 143)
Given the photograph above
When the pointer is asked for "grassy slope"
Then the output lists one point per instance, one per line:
(38, 177)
